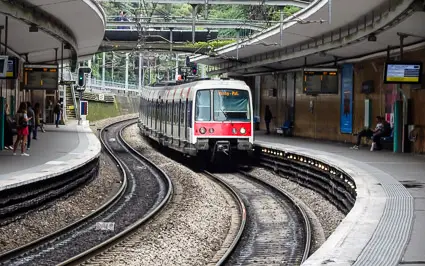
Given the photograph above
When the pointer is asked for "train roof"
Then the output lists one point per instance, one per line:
(194, 83)
(172, 89)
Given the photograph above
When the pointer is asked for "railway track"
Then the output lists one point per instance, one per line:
(275, 231)
(17, 202)
(144, 191)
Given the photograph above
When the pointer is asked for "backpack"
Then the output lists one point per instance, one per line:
(22, 122)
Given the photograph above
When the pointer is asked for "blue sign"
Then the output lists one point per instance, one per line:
(346, 119)
(84, 108)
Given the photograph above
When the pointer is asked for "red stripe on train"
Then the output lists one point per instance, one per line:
(223, 129)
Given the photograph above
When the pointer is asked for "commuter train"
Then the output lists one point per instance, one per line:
(202, 118)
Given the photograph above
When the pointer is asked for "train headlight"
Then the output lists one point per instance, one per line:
(211, 130)
(243, 130)
(203, 130)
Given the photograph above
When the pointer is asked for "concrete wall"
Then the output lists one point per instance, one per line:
(323, 122)
(123, 105)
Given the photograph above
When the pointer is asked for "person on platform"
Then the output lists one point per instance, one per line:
(37, 121)
(31, 124)
(381, 130)
(22, 128)
(8, 130)
(268, 118)
(57, 111)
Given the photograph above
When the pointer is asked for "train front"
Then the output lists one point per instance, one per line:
(223, 122)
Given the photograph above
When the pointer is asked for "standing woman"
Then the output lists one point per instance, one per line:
(8, 136)
(22, 126)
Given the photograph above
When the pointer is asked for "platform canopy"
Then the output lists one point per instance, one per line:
(37, 27)
(312, 37)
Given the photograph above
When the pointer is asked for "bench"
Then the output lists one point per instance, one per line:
(388, 142)
(286, 129)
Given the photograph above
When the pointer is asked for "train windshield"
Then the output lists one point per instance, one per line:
(231, 105)
(203, 106)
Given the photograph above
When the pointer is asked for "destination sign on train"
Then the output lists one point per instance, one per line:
(228, 93)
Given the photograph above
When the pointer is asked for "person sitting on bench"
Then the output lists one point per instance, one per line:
(381, 130)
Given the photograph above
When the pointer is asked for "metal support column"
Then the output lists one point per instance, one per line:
(103, 70)
(6, 33)
(171, 39)
(330, 11)
(89, 74)
(126, 71)
(2, 110)
(177, 66)
(194, 12)
(403, 125)
(237, 44)
(143, 71)
(281, 25)
(140, 71)
(112, 67)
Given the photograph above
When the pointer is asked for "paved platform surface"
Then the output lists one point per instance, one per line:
(385, 166)
(55, 152)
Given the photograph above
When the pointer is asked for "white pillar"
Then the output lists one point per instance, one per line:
(140, 71)
(89, 75)
(112, 67)
(103, 70)
(177, 66)
(126, 71)
(257, 95)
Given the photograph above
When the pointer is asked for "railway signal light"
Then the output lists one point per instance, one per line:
(82, 71)
(194, 68)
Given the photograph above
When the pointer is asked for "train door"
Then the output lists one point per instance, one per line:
(179, 118)
(151, 113)
(166, 117)
(185, 119)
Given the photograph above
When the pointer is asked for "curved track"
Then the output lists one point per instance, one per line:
(277, 230)
(145, 190)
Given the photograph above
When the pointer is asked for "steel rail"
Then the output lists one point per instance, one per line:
(115, 239)
(242, 210)
(306, 220)
(20, 250)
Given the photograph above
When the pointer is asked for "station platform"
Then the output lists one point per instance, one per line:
(55, 152)
(394, 229)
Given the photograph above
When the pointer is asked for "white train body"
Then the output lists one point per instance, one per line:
(200, 116)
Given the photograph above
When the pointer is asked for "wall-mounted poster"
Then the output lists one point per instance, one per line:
(346, 116)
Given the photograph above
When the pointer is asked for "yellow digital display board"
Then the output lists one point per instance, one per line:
(12, 69)
(403, 72)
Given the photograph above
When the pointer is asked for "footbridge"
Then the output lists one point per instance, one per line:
(297, 3)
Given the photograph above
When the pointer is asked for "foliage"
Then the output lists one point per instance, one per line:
(115, 61)
(213, 44)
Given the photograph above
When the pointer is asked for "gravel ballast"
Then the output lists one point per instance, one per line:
(60, 213)
(324, 216)
(191, 228)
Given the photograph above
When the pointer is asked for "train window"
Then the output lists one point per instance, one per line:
(231, 105)
(182, 112)
(203, 106)
(175, 112)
